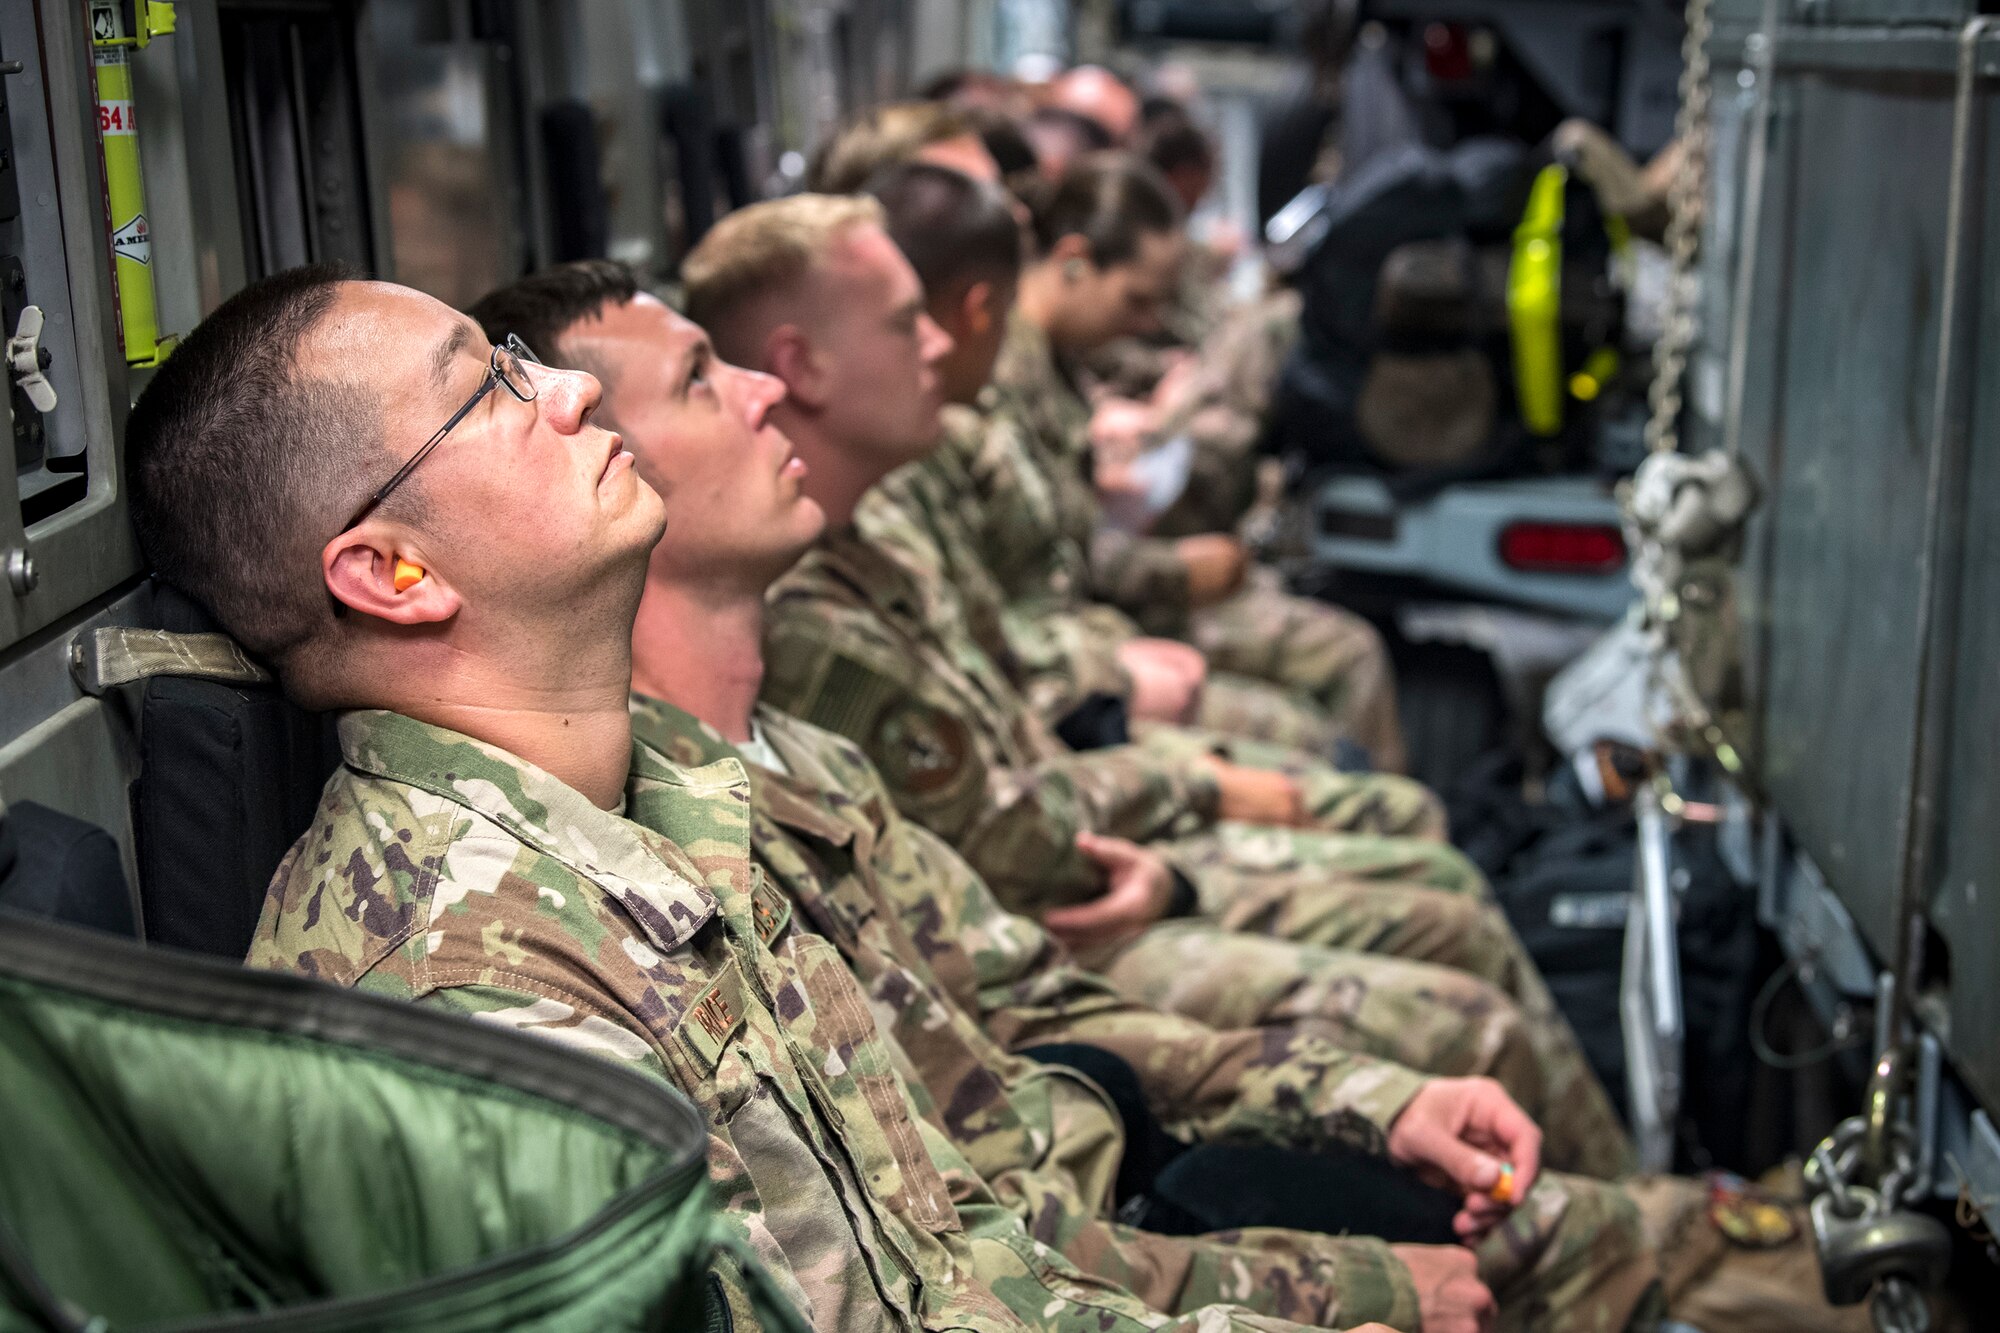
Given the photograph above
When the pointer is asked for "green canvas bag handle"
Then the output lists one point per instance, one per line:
(188, 1144)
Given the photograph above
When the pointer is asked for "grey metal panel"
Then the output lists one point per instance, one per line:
(1949, 12)
(1946, 13)
(1846, 508)
(1760, 408)
(86, 549)
(58, 746)
(1965, 897)
(36, 238)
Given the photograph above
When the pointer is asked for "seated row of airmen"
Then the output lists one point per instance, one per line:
(776, 697)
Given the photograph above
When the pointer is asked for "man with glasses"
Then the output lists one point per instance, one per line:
(494, 842)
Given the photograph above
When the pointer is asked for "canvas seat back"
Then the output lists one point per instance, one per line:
(189, 1144)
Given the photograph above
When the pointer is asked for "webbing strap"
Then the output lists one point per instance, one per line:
(103, 659)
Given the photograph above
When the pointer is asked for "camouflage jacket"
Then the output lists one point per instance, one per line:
(947, 966)
(947, 514)
(864, 643)
(441, 869)
(1142, 576)
(826, 835)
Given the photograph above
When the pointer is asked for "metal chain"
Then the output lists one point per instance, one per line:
(1684, 196)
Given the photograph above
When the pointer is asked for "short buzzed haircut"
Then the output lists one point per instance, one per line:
(761, 251)
(543, 307)
(954, 230)
(879, 137)
(242, 466)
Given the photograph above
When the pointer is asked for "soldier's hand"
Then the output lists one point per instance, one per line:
(1258, 795)
(1181, 379)
(1120, 429)
(1458, 1133)
(1138, 889)
(1167, 678)
(1449, 1293)
(1215, 566)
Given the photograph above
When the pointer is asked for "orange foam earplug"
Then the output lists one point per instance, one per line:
(407, 575)
(1503, 1188)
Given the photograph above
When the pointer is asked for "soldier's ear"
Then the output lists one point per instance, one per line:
(368, 568)
(975, 309)
(789, 354)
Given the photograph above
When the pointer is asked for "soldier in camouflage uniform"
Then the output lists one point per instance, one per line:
(1208, 372)
(467, 853)
(1076, 297)
(1044, 1143)
(1086, 648)
(865, 646)
(938, 514)
(837, 862)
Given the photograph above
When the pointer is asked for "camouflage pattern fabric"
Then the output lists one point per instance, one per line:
(836, 856)
(1330, 655)
(1333, 655)
(933, 947)
(1383, 804)
(862, 645)
(444, 870)
(932, 517)
(871, 644)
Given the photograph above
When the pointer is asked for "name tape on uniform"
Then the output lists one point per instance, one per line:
(713, 1018)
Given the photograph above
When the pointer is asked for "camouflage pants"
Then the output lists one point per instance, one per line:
(1028, 1291)
(1261, 710)
(1316, 1280)
(1236, 862)
(1432, 1018)
(1333, 656)
(1383, 804)
(1572, 1259)
(1398, 899)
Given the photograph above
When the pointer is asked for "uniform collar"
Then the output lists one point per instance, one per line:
(798, 800)
(644, 871)
(676, 733)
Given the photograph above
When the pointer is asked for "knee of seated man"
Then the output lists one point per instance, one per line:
(1577, 1241)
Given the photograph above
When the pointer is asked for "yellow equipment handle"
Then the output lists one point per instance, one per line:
(124, 184)
(1534, 303)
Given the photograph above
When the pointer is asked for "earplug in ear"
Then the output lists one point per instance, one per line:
(407, 575)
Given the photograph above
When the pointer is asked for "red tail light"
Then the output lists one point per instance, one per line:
(1447, 52)
(1562, 548)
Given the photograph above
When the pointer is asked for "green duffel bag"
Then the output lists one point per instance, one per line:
(190, 1145)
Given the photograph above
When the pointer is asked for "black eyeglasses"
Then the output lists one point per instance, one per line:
(508, 368)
